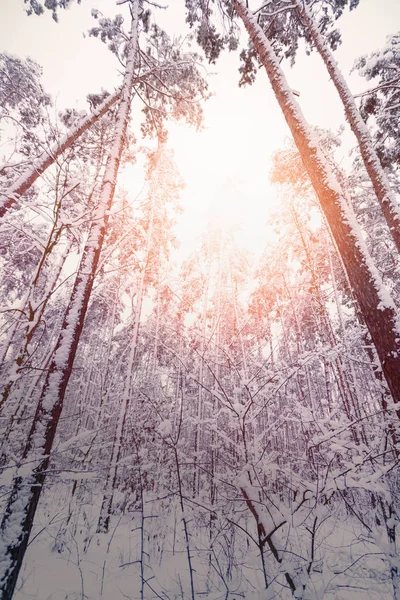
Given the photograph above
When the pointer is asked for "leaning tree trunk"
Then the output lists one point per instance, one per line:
(35, 308)
(11, 196)
(25, 309)
(21, 508)
(376, 304)
(380, 182)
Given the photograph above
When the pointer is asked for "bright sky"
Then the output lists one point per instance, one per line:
(230, 159)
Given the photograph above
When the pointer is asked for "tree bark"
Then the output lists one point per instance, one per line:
(379, 180)
(106, 506)
(34, 308)
(21, 508)
(374, 299)
(45, 160)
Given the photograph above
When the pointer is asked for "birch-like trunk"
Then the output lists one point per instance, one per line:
(21, 508)
(106, 506)
(376, 304)
(157, 329)
(105, 387)
(345, 387)
(198, 437)
(45, 160)
(379, 180)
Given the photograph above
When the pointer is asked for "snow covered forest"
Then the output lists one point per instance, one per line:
(220, 422)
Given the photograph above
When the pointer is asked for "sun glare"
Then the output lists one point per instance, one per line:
(199, 333)
(226, 174)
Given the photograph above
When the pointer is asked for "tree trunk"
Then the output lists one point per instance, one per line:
(379, 180)
(105, 512)
(374, 299)
(45, 160)
(21, 508)
(198, 437)
(35, 309)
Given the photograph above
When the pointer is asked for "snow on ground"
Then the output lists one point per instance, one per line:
(76, 563)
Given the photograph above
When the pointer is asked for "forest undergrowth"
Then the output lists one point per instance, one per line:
(226, 427)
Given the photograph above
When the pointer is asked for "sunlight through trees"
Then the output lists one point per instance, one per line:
(219, 419)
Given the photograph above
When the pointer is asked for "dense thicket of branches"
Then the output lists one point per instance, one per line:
(228, 430)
